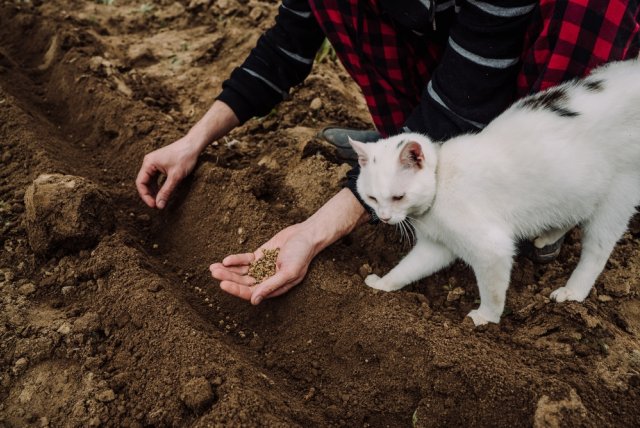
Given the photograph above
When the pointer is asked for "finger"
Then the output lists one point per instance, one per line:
(239, 259)
(222, 274)
(145, 176)
(240, 270)
(269, 285)
(166, 190)
(241, 291)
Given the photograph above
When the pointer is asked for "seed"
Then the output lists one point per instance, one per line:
(265, 266)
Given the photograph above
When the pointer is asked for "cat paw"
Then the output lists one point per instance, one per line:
(374, 281)
(564, 294)
(481, 319)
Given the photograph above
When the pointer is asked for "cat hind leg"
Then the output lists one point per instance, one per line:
(600, 235)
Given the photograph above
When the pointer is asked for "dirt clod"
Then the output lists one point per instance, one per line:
(87, 323)
(20, 365)
(197, 394)
(365, 270)
(265, 266)
(65, 211)
(27, 289)
(557, 413)
(155, 285)
(316, 104)
(618, 288)
(106, 396)
(455, 294)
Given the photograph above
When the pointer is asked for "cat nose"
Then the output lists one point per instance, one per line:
(385, 219)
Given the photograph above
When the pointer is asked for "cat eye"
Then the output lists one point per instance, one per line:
(398, 198)
(373, 199)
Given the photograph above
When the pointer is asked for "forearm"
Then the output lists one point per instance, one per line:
(283, 58)
(217, 122)
(335, 219)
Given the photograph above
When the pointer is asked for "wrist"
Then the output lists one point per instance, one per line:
(337, 218)
(215, 124)
(316, 235)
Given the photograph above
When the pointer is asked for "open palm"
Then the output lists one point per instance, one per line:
(296, 252)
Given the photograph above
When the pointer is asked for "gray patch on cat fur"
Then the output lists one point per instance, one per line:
(551, 100)
(400, 143)
(594, 85)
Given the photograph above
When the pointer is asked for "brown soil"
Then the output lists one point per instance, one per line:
(123, 325)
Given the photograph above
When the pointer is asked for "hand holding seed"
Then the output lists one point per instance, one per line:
(296, 250)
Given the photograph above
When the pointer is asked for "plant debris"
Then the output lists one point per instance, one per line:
(265, 266)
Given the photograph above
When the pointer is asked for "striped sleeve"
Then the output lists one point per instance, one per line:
(476, 79)
(282, 58)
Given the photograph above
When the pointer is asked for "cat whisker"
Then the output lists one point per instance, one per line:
(406, 232)
(403, 232)
(410, 231)
(414, 220)
(413, 232)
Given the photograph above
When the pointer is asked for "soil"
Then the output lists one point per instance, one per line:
(117, 322)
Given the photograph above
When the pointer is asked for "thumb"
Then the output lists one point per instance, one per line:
(166, 190)
(280, 279)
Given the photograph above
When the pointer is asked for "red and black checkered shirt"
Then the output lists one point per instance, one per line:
(437, 67)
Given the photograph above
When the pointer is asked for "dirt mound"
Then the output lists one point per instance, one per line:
(65, 212)
(132, 330)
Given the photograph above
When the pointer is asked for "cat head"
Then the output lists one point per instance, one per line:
(397, 175)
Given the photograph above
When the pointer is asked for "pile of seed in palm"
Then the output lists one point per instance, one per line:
(265, 266)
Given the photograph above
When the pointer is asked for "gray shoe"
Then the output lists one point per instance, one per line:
(543, 255)
(339, 138)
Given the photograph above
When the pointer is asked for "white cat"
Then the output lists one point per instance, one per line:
(566, 156)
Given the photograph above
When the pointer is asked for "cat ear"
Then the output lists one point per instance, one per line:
(360, 149)
(412, 155)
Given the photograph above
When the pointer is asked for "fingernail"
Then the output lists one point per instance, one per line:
(258, 300)
(161, 203)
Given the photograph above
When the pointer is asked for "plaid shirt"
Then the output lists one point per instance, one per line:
(441, 68)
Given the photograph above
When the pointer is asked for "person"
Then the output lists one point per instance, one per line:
(441, 68)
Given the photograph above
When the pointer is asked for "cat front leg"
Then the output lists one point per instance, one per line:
(492, 265)
(426, 258)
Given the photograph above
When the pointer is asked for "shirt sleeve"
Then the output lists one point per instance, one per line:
(282, 58)
(476, 78)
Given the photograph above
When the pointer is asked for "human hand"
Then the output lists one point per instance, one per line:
(178, 159)
(297, 249)
(174, 161)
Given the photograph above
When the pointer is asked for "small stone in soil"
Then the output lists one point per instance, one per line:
(265, 266)
(316, 104)
(106, 396)
(27, 289)
(365, 270)
(197, 394)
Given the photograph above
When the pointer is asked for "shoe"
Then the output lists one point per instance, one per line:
(339, 138)
(543, 255)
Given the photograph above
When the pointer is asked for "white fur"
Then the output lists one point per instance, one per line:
(530, 173)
